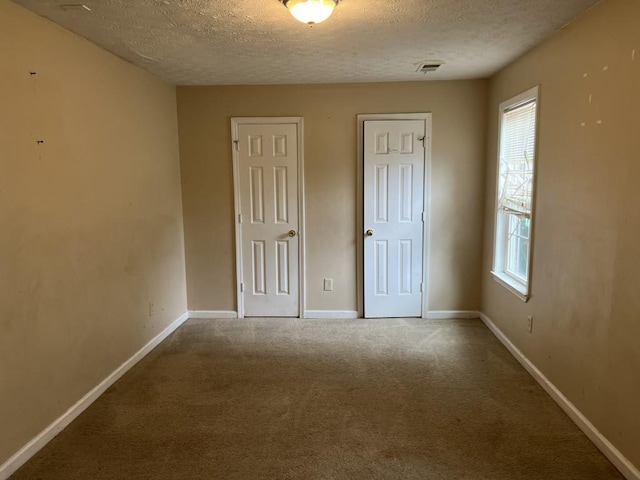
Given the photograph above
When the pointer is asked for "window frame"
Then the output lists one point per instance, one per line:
(522, 289)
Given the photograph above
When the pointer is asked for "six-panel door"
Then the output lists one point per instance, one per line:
(268, 173)
(393, 217)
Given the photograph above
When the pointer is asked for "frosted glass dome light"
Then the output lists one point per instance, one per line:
(310, 11)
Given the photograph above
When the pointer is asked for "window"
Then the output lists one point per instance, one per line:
(514, 196)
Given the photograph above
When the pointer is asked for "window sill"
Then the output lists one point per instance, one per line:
(510, 284)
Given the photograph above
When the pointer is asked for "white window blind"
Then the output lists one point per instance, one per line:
(516, 159)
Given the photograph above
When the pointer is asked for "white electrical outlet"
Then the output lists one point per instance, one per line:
(151, 309)
(328, 284)
(530, 324)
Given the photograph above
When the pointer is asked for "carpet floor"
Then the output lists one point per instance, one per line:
(323, 399)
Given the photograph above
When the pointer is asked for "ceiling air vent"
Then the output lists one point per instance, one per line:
(428, 67)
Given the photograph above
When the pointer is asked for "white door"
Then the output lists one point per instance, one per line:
(268, 179)
(394, 159)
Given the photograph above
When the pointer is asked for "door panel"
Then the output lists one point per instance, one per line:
(258, 268)
(394, 159)
(268, 177)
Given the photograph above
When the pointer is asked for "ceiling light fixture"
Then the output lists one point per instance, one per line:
(310, 11)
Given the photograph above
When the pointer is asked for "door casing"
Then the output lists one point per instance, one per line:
(299, 122)
(426, 117)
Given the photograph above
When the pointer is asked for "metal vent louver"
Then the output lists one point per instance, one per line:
(428, 67)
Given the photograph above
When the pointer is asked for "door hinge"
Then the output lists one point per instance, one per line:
(240, 218)
(237, 144)
(242, 287)
(422, 288)
(423, 217)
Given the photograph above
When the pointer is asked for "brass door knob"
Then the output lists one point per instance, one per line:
(369, 233)
(292, 233)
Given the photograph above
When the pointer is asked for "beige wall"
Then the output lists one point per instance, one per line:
(329, 113)
(90, 221)
(586, 267)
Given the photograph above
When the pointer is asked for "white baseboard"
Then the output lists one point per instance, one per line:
(346, 314)
(451, 314)
(614, 455)
(30, 449)
(432, 315)
(210, 314)
(215, 314)
(630, 471)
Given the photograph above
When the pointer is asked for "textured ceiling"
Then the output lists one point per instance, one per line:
(225, 42)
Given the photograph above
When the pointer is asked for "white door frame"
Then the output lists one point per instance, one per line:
(426, 244)
(299, 122)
